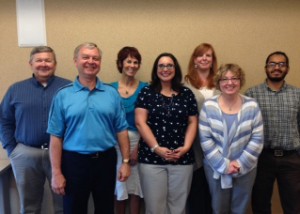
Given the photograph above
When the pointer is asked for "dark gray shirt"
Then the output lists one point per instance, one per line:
(281, 115)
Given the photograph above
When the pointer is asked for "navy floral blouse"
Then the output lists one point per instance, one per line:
(168, 120)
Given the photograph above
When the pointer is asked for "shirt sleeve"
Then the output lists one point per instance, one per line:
(141, 101)
(56, 124)
(8, 123)
(120, 116)
(250, 154)
(209, 145)
(193, 110)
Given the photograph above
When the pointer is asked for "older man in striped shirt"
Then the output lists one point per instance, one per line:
(24, 116)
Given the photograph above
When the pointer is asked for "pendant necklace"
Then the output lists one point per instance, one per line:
(168, 106)
(232, 105)
(127, 90)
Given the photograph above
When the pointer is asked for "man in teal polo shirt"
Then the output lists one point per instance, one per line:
(86, 121)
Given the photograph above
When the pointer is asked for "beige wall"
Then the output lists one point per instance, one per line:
(243, 32)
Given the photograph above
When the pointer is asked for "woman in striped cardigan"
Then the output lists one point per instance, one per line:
(231, 136)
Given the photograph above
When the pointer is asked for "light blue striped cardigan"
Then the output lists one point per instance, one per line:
(243, 143)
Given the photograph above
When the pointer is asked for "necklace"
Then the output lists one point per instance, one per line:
(230, 107)
(128, 89)
(167, 106)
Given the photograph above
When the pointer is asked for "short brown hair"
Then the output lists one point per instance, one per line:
(234, 68)
(126, 52)
(42, 49)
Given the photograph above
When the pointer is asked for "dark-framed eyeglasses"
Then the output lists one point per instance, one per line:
(168, 66)
(274, 64)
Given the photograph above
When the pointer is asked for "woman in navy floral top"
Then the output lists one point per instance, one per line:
(166, 118)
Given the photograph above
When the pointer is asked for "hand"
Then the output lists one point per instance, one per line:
(134, 157)
(179, 152)
(124, 172)
(234, 167)
(58, 184)
(165, 153)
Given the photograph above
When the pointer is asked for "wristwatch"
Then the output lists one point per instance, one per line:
(127, 161)
(154, 147)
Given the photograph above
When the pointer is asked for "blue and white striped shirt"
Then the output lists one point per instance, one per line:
(244, 142)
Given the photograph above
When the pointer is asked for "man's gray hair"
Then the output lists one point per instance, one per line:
(88, 45)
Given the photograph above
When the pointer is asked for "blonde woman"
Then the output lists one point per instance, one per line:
(231, 136)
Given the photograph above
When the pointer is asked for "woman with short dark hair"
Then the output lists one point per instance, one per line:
(128, 63)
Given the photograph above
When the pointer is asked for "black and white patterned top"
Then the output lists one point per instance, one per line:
(168, 120)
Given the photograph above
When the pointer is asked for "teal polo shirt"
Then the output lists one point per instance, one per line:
(87, 121)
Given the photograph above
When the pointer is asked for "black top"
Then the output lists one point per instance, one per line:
(168, 120)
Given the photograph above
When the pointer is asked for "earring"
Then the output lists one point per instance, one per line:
(195, 66)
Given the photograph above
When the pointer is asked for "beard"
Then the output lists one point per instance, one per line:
(276, 79)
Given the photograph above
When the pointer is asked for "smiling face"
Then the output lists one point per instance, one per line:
(130, 66)
(204, 62)
(276, 68)
(43, 66)
(165, 69)
(88, 62)
(230, 84)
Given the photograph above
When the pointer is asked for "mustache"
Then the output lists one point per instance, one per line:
(277, 70)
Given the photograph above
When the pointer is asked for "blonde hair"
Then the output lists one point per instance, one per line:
(233, 68)
(88, 45)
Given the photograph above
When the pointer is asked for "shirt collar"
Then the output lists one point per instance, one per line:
(282, 88)
(37, 83)
(78, 86)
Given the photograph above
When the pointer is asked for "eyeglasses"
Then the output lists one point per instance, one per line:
(168, 66)
(280, 64)
(233, 80)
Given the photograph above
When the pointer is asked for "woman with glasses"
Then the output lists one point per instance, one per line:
(128, 63)
(167, 120)
(199, 78)
(231, 136)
